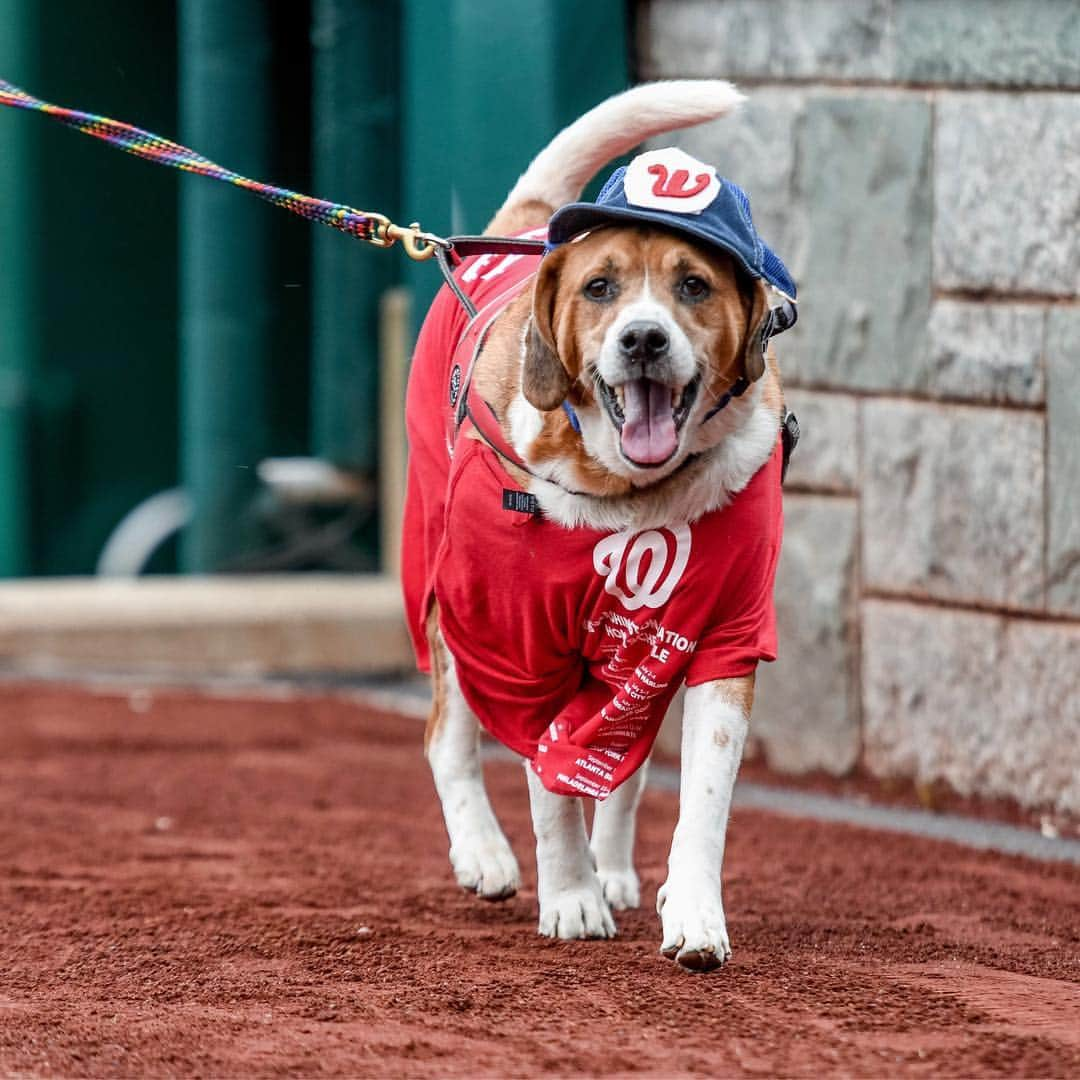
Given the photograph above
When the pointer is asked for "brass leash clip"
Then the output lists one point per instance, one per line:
(418, 245)
(377, 230)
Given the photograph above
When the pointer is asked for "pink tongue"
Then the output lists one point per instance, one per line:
(648, 431)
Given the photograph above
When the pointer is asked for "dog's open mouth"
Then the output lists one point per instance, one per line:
(648, 416)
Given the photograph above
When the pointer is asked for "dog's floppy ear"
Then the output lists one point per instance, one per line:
(545, 382)
(757, 324)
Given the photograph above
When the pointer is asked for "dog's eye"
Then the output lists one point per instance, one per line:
(693, 288)
(600, 288)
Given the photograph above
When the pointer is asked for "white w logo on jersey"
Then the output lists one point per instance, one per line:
(643, 568)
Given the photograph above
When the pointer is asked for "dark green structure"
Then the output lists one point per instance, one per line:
(160, 331)
(17, 296)
(88, 278)
(227, 273)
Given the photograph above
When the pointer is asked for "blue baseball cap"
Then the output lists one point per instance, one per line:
(676, 191)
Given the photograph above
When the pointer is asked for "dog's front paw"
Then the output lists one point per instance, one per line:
(576, 912)
(695, 930)
(621, 888)
(485, 865)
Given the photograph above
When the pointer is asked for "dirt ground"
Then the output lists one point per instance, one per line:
(200, 886)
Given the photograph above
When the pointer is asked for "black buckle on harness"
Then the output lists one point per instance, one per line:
(783, 318)
(777, 321)
(789, 436)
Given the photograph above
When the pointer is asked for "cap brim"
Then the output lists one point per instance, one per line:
(576, 218)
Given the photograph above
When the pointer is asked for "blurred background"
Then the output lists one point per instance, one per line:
(201, 445)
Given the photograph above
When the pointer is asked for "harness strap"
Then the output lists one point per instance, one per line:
(482, 417)
(466, 246)
(442, 257)
(738, 388)
(775, 322)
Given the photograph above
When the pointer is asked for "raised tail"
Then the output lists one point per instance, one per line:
(560, 171)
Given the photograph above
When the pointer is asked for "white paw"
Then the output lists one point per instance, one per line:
(578, 912)
(622, 890)
(695, 931)
(485, 865)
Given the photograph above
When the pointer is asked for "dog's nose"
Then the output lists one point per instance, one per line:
(644, 341)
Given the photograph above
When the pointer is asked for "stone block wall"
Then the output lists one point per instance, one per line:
(917, 165)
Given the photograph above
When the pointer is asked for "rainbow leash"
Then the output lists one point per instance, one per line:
(371, 227)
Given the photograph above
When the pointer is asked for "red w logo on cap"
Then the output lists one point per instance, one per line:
(674, 187)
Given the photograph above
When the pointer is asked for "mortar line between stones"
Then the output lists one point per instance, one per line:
(1004, 296)
(932, 175)
(802, 488)
(856, 694)
(1046, 494)
(811, 82)
(865, 394)
(974, 607)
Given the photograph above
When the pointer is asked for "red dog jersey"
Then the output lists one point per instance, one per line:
(568, 643)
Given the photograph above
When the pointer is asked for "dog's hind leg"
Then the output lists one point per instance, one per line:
(479, 852)
(613, 842)
(572, 903)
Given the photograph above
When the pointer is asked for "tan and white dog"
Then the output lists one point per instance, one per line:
(610, 378)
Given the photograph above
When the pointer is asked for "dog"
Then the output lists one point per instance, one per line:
(593, 514)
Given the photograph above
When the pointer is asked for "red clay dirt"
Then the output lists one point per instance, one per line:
(205, 886)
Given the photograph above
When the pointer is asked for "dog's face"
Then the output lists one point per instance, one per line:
(642, 331)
